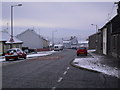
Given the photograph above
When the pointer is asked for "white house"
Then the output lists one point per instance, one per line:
(83, 44)
(32, 40)
(74, 42)
(67, 43)
(71, 43)
(5, 42)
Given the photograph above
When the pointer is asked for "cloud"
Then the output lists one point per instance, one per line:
(73, 17)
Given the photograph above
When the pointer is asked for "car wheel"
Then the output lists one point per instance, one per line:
(7, 59)
(24, 57)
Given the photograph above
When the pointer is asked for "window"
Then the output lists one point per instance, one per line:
(114, 42)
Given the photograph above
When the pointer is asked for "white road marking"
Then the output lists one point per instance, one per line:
(60, 79)
(68, 68)
(65, 72)
(53, 88)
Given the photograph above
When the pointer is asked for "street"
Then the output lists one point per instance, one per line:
(52, 71)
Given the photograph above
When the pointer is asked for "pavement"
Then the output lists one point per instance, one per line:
(99, 63)
(107, 60)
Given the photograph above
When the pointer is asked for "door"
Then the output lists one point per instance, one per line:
(105, 41)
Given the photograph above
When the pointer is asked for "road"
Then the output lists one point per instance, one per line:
(53, 71)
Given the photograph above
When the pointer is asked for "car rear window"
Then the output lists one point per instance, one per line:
(56, 46)
(82, 48)
(9, 51)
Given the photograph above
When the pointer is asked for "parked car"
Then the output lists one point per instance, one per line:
(15, 53)
(82, 51)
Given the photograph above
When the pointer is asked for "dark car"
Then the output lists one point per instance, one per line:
(82, 51)
(15, 53)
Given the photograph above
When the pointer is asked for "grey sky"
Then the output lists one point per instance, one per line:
(68, 18)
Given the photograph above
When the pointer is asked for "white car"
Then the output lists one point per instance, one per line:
(58, 47)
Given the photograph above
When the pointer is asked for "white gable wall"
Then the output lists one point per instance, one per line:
(31, 39)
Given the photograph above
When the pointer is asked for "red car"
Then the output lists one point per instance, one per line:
(82, 51)
(15, 53)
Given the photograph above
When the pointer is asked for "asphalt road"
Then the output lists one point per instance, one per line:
(53, 72)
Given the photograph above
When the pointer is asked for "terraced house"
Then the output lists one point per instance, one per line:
(108, 37)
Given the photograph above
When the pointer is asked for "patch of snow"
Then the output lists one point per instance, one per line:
(94, 64)
(39, 54)
(2, 58)
(53, 51)
(92, 50)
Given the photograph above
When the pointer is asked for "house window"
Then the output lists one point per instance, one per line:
(103, 45)
(111, 27)
(114, 42)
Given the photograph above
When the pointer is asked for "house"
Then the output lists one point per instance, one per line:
(115, 37)
(45, 43)
(110, 34)
(92, 41)
(83, 44)
(99, 43)
(32, 40)
(108, 37)
(74, 42)
(71, 43)
(67, 44)
(6, 44)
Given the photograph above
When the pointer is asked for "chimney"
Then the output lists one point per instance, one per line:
(118, 10)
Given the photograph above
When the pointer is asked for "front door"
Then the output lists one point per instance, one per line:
(105, 41)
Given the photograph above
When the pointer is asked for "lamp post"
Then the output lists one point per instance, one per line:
(11, 39)
(95, 26)
(96, 33)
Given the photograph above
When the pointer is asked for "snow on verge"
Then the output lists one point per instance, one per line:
(93, 64)
(2, 59)
(39, 54)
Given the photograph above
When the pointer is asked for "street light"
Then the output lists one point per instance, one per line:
(11, 39)
(96, 27)
(96, 33)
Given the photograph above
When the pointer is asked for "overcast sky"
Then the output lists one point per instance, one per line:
(66, 18)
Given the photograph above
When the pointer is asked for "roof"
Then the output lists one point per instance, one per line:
(115, 17)
(33, 31)
(58, 45)
(83, 42)
(5, 36)
(28, 30)
(66, 41)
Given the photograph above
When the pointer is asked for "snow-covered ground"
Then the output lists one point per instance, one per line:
(95, 65)
(44, 53)
(2, 58)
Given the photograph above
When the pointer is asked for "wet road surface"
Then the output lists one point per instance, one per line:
(53, 71)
